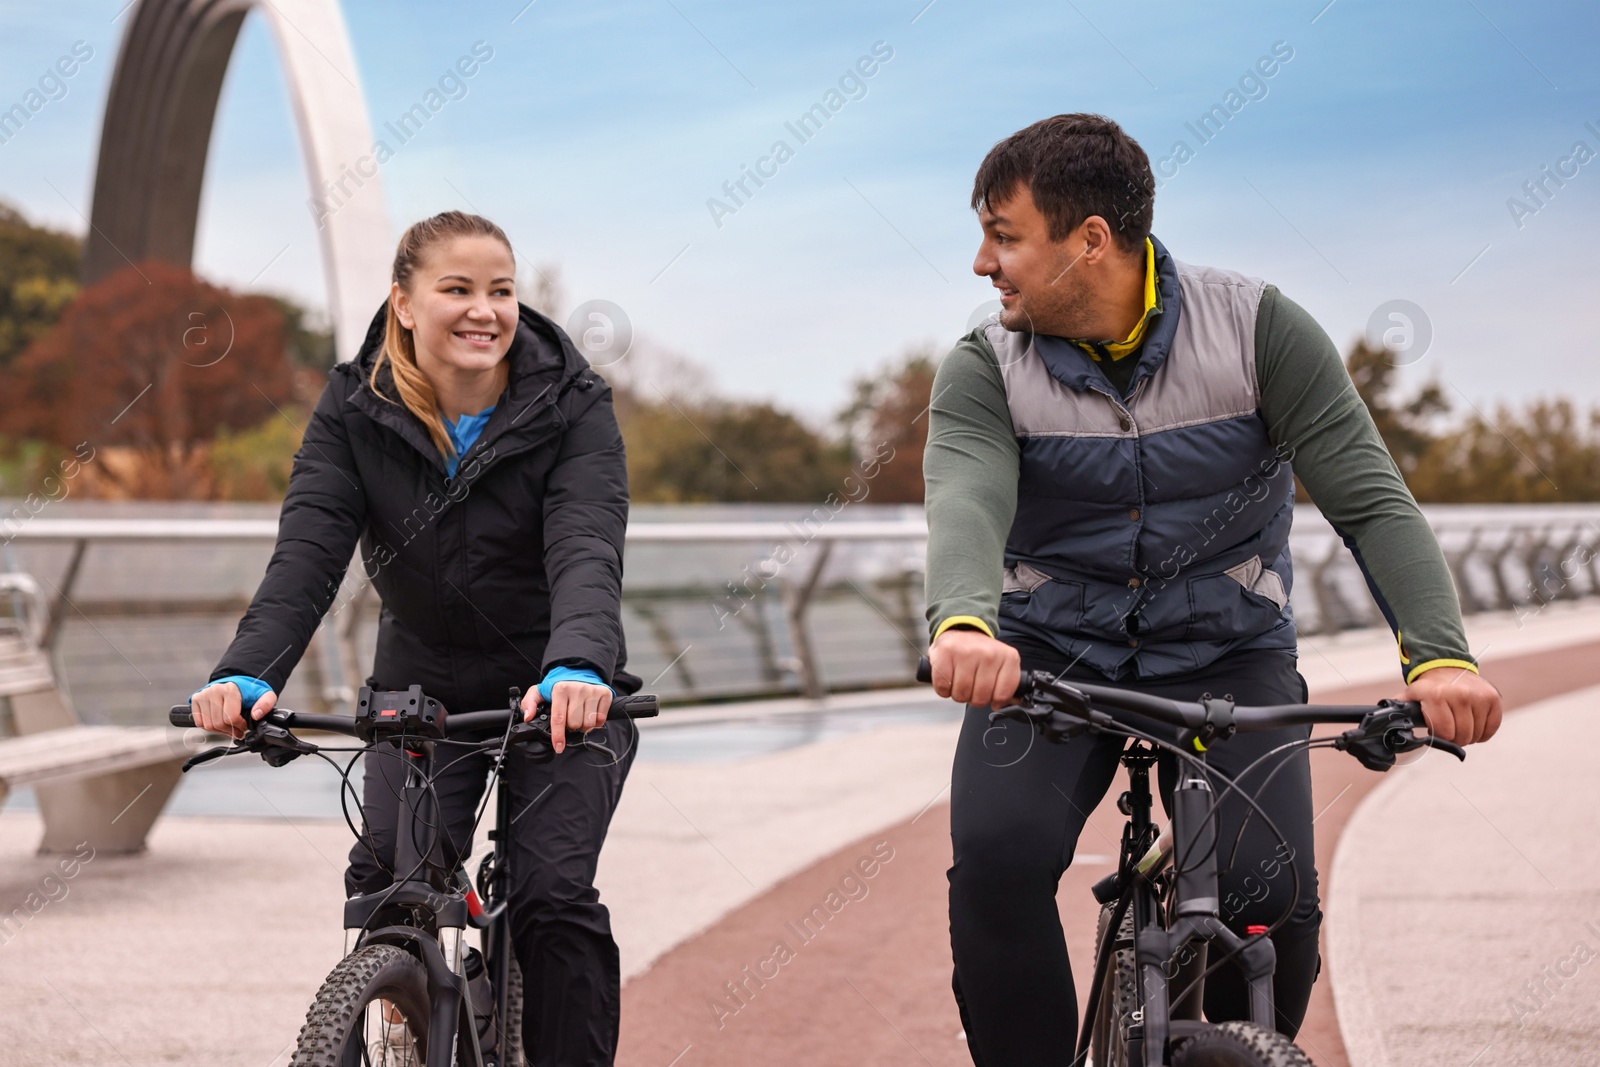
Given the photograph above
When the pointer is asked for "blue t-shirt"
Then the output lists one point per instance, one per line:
(465, 431)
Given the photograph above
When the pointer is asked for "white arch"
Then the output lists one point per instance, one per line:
(335, 136)
(157, 132)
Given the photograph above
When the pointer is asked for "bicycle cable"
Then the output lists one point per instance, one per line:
(1310, 744)
(1235, 786)
(1133, 732)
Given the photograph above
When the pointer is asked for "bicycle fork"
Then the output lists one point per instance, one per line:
(1196, 919)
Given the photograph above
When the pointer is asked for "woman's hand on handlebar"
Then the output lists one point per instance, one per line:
(974, 668)
(1459, 705)
(573, 706)
(218, 708)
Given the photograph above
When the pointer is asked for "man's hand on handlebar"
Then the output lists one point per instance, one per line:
(974, 668)
(1459, 705)
(573, 705)
(218, 708)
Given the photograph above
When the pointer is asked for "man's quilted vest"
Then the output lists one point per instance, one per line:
(1152, 532)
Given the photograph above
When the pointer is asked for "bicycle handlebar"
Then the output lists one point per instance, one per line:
(638, 706)
(1185, 714)
(1061, 708)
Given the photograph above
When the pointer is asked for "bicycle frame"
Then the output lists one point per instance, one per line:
(432, 896)
(1194, 918)
(426, 911)
(1062, 709)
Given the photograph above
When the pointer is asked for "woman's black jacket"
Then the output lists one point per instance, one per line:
(488, 578)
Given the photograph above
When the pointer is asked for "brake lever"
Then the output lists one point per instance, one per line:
(1055, 724)
(597, 746)
(533, 737)
(207, 756)
(1386, 732)
(276, 744)
(1445, 746)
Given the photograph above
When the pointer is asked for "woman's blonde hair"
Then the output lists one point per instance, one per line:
(399, 349)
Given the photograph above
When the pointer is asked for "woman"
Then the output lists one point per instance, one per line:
(475, 456)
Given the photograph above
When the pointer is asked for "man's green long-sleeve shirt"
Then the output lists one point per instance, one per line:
(1313, 416)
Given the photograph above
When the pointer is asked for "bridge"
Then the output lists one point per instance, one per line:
(741, 815)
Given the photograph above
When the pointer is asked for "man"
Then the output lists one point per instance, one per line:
(1109, 497)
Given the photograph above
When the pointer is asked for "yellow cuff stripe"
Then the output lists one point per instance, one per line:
(963, 620)
(1466, 665)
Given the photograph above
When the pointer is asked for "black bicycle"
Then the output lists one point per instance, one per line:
(1160, 911)
(409, 991)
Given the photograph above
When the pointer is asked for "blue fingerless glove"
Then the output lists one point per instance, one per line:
(250, 689)
(567, 674)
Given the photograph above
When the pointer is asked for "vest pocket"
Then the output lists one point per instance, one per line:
(1242, 601)
(1029, 595)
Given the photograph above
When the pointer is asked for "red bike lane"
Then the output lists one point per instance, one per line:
(835, 966)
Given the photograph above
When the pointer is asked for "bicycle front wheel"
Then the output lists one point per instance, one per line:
(1119, 996)
(372, 1009)
(1239, 1044)
(511, 1025)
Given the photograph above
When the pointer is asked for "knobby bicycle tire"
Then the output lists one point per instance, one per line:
(371, 973)
(511, 1025)
(1239, 1044)
(1119, 996)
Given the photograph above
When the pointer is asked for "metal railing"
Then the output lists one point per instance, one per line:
(821, 603)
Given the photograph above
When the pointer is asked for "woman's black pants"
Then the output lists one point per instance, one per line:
(1017, 806)
(560, 931)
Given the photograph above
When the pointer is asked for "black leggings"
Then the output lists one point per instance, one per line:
(1017, 806)
(560, 931)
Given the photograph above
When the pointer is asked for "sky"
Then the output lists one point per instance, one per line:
(1378, 163)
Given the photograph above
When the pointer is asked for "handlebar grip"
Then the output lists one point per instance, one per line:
(637, 706)
(181, 716)
(924, 670)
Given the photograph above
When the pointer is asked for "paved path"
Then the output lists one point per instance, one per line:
(1465, 916)
(879, 980)
(725, 836)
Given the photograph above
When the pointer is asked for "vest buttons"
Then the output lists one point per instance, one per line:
(1133, 514)
(1134, 583)
(1127, 423)
(1133, 642)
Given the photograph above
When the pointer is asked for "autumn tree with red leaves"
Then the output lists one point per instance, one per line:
(147, 368)
(887, 422)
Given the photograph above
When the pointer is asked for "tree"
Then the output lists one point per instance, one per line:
(148, 367)
(1402, 423)
(719, 450)
(307, 343)
(888, 417)
(1545, 453)
(38, 279)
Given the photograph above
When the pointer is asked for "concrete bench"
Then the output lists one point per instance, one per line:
(100, 785)
(104, 785)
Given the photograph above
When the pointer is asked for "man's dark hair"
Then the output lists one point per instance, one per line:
(1076, 166)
